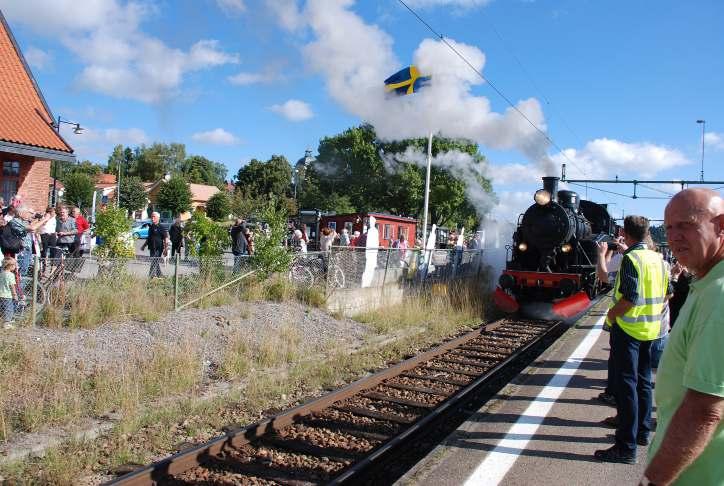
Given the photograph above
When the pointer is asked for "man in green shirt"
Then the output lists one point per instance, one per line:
(688, 448)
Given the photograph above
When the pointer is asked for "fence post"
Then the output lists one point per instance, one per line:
(384, 275)
(34, 297)
(175, 282)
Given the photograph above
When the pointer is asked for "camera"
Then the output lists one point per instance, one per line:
(37, 216)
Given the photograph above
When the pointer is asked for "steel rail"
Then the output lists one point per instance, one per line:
(234, 438)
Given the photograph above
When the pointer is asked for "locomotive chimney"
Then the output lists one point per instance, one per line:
(550, 184)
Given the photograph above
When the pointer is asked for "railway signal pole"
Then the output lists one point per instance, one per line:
(703, 132)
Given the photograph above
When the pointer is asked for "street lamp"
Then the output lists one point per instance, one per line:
(77, 129)
(703, 131)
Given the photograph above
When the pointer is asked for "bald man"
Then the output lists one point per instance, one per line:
(689, 444)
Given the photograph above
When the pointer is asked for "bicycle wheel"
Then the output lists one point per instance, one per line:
(301, 276)
(336, 277)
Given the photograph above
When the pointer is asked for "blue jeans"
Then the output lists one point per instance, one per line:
(632, 364)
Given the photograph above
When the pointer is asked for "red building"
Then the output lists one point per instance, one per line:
(28, 141)
(390, 227)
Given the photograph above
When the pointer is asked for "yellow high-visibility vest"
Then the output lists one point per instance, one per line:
(643, 320)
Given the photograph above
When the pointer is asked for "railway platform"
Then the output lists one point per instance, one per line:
(540, 429)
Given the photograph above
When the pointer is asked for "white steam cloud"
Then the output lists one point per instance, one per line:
(460, 164)
(355, 57)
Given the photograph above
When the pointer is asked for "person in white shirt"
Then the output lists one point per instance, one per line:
(48, 239)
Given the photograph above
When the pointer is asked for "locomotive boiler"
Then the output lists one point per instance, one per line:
(553, 255)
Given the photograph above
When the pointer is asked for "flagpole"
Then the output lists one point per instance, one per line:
(427, 191)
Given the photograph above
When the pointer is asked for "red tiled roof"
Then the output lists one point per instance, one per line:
(202, 192)
(105, 179)
(24, 117)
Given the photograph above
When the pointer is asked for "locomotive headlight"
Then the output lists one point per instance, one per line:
(522, 246)
(542, 197)
(566, 248)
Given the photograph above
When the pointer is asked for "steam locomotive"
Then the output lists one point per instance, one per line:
(552, 268)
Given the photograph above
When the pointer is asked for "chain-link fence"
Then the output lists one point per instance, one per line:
(82, 292)
(353, 267)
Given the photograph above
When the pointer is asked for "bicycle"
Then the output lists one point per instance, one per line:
(306, 270)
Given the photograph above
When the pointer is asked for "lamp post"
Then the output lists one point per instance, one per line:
(703, 132)
(77, 129)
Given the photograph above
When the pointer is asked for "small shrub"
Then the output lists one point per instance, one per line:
(314, 297)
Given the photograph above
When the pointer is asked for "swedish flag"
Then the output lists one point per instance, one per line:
(406, 81)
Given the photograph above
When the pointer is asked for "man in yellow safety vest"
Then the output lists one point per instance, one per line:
(635, 314)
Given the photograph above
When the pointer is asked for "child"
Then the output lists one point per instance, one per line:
(8, 293)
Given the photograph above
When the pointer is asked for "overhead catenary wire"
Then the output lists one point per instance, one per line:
(630, 196)
(490, 83)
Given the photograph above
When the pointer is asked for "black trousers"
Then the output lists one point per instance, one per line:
(48, 242)
(176, 249)
(155, 269)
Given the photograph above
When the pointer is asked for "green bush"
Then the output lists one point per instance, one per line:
(270, 256)
(114, 228)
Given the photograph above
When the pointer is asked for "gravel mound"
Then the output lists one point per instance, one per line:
(206, 331)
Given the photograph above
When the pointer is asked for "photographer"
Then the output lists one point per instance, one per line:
(609, 259)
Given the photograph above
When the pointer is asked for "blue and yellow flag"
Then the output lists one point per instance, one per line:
(406, 81)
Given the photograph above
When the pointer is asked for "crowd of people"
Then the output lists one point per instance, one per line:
(678, 308)
(25, 233)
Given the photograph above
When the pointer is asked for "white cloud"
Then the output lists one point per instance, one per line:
(247, 78)
(37, 58)
(231, 7)
(217, 136)
(514, 174)
(96, 144)
(714, 140)
(604, 157)
(447, 3)
(294, 110)
(119, 59)
(288, 12)
(511, 204)
(354, 58)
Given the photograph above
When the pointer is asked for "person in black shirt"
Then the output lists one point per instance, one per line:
(176, 233)
(239, 245)
(157, 243)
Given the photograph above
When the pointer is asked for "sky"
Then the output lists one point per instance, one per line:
(608, 88)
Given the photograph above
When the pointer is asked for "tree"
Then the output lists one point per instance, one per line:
(263, 178)
(123, 156)
(133, 194)
(79, 189)
(218, 206)
(350, 174)
(174, 195)
(200, 170)
(114, 229)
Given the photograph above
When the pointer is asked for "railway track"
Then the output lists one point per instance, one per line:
(340, 437)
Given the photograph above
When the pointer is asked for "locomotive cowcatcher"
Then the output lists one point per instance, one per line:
(552, 266)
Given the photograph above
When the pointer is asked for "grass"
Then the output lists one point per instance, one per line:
(460, 303)
(39, 388)
(156, 395)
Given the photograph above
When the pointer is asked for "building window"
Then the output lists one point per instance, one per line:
(402, 230)
(11, 169)
(348, 225)
(11, 173)
(332, 225)
(388, 232)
